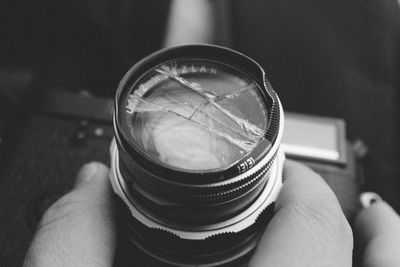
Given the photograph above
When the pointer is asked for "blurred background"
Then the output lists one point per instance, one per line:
(336, 58)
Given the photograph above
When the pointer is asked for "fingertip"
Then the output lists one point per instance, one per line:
(377, 233)
(369, 198)
(90, 171)
(296, 171)
(303, 184)
(290, 166)
(376, 220)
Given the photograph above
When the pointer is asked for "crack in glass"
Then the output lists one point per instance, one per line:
(238, 131)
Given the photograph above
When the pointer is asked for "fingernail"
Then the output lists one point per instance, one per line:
(86, 173)
(369, 198)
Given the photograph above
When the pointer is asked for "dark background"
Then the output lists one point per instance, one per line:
(334, 58)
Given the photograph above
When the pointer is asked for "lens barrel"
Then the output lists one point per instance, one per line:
(205, 218)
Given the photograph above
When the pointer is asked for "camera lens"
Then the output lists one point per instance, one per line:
(196, 153)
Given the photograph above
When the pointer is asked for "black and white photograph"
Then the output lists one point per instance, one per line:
(208, 133)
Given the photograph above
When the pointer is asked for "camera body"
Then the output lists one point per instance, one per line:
(47, 148)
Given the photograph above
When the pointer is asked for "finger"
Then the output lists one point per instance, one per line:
(308, 228)
(377, 232)
(77, 230)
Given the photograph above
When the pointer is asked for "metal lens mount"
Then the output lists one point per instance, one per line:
(204, 216)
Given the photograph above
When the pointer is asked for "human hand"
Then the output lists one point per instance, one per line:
(308, 229)
(377, 233)
(79, 228)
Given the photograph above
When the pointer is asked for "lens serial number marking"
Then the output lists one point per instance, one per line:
(246, 165)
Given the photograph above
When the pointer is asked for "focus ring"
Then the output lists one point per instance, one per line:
(204, 194)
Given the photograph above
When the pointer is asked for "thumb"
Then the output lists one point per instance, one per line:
(377, 232)
(78, 229)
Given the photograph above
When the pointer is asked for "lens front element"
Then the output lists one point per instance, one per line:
(195, 115)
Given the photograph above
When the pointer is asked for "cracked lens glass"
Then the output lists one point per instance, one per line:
(196, 115)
